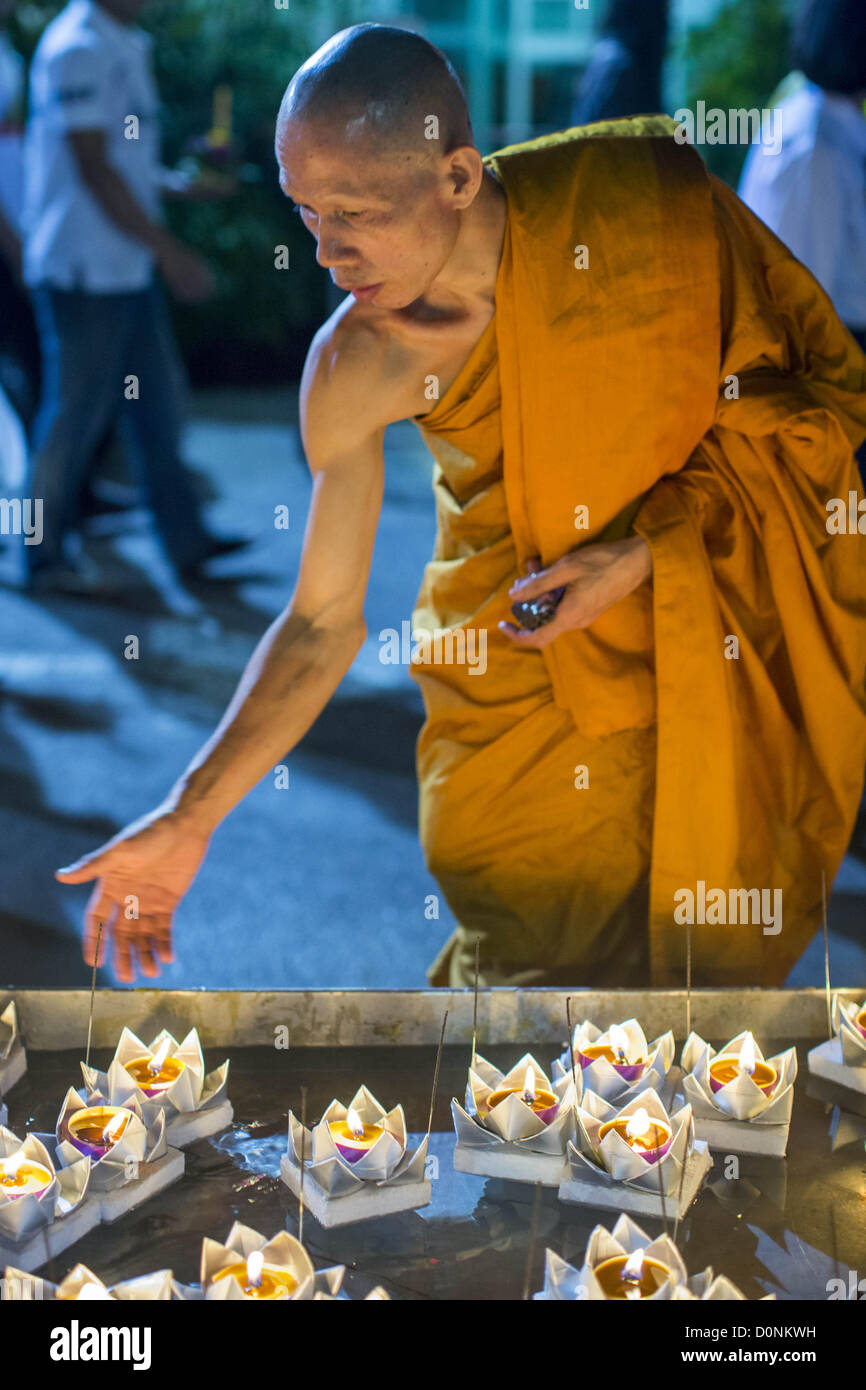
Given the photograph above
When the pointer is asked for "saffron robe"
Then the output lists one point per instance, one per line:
(659, 359)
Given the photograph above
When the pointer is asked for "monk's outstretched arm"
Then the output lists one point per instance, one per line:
(289, 679)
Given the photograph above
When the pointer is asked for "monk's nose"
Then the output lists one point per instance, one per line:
(331, 254)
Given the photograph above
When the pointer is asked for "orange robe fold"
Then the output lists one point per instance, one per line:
(663, 362)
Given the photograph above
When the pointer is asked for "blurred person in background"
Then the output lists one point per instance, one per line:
(812, 193)
(625, 71)
(93, 243)
(19, 345)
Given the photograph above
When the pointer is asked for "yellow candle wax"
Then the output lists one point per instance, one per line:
(728, 1068)
(624, 1277)
(646, 1139)
(153, 1082)
(95, 1130)
(540, 1100)
(273, 1283)
(23, 1177)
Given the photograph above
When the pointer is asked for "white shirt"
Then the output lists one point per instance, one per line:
(89, 72)
(812, 193)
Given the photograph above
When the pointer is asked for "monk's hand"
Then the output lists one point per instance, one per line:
(593, 578)
(141, 874)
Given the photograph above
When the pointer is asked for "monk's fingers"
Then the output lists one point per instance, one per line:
(99, 918)
(124, 937)
(146, 951)
(524, 636)
(541, 581)
(160, 932)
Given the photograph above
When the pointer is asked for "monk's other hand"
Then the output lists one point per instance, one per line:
(594, 579)
(141, 874)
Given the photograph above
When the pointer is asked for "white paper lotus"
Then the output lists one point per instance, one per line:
(844, 1013)
(21, 1216)
(612, 1159)
(282, 1252)
(740, 1099)
(564, 1283)
(512, 1120)
(387, 1161)
(143, 1141)
(82, 1285)
(601, 1075)
(192, 1090)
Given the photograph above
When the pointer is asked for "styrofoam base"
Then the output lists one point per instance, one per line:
(503, 1162)
(12, 1069)
(620, 1197)
(369, 1202)
(186, 1128)
(831, 1093)
(826, 1061)
(44, 1245)
(152, 1178)
(741, 1137)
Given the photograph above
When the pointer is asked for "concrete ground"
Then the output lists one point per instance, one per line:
(319, 884)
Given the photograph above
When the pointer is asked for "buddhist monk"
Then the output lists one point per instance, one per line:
(643, 414)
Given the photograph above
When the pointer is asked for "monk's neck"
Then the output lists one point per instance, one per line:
(467, 281)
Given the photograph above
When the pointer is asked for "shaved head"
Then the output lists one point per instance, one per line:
(375, 149)
(382, 85)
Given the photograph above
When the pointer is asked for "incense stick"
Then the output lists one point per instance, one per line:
(436, 1075)
(826, 953)
(688, 979)
(662, 1195)
(99, 927)
(533, 1236)
(682, 1178)
(303, 1164)
(571, 1046)
(475, 999)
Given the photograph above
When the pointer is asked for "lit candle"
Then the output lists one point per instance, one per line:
(97, 1129)
(21, 1177)
(155, 1074)
(352, 1137)
(727, 1068)
(631, 1277)
(860, 1020)
(543, 1103)
(650, 1138)
(615, 1052)
(258, 1280)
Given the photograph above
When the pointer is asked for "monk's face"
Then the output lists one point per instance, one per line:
(385, 222)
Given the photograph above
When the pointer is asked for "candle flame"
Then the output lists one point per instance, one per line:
(12, 1166)
(114, 1125)
(747, 1055)
(638, 1124)
(355, 1123)
(529, 1085)
(632, 1270)
(255, 1265)
(91, 1293)
(156, 1062)
(618, 1039)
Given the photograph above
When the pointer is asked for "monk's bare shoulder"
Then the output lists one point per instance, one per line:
(354, 378)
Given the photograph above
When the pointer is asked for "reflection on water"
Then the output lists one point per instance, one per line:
(785, 1226)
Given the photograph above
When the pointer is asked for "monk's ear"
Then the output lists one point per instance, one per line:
(465, 172)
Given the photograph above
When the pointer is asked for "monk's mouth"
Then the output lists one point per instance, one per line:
(365, 292)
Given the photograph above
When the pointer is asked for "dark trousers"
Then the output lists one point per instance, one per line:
(92, 344)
